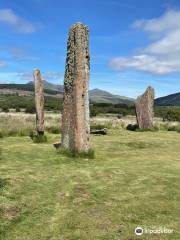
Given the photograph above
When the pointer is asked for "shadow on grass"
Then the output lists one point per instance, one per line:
(140, 145)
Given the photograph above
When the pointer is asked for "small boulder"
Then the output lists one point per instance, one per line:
(132, 127)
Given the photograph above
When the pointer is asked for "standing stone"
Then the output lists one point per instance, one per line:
(144, 109)
(39, 101)
(75, 117)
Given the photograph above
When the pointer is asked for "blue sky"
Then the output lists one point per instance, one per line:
(133, 43)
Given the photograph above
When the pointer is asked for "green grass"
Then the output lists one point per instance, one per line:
(133, 181)
(90, 154)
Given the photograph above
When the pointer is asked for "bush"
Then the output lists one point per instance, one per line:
(2, 134)
(164, 127)
(18, 109)
(5, 109)
(174, 128)
(38, 138)
(30, 109)
(93, 112)
(172, 115)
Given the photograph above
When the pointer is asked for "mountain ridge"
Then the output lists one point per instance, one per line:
(96, 95)
(169, 100)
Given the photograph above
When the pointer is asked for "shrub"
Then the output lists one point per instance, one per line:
(38, 138)
(164, 127)
(172, 115)
(93, 112)
(18, 109)
(30, 109)
(2, 134)
(5, 109)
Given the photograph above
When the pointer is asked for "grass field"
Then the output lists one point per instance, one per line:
(133, 181)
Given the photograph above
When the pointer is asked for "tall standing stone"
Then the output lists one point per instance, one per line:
(75, 117)
(39, 102)
(144, 109)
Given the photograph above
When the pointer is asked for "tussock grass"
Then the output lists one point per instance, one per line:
(15, 132)
(37, 138)
(21, 124)
(53, 129)
(97, 126)
(167, 126)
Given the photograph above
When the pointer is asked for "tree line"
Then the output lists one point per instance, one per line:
(27, 104)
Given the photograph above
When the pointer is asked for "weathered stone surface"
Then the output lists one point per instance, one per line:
(75, 117)
(39, 101)
(102, 131)
(132, 127)
(144, 109)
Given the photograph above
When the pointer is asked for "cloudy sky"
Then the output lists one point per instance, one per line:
(133, 43)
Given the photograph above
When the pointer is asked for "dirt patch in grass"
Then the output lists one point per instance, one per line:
(11, 212)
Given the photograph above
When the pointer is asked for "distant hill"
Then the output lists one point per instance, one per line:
(27, 89)
(50, 86)
(170, 100)
(96, 95)
(100, 96)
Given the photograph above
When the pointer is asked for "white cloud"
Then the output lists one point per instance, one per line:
(49, 76)
(168, 44)
(17, 23)
(2, 64)
(161, 56)
(25, 76)
(167, 22)
(148, 63)
(21, 54)
(52, 75)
